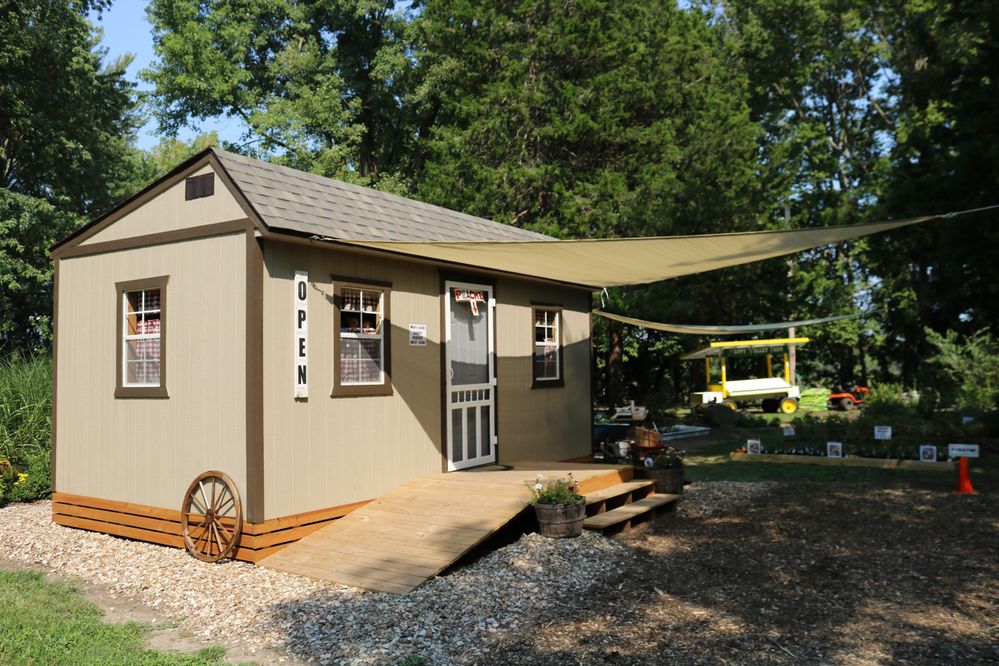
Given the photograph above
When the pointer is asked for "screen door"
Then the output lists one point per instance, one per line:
(470, 378)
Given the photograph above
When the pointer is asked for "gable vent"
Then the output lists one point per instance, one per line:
(197, 187)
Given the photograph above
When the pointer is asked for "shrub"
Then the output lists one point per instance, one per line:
(967, 370)
(25, 427)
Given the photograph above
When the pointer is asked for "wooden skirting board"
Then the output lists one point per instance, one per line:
(849, 461)
(162, 526)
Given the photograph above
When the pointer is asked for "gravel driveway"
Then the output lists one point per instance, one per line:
(745, 573)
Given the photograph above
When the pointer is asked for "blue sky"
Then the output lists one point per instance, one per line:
(127, 31)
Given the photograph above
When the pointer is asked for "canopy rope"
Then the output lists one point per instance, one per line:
(720, 330)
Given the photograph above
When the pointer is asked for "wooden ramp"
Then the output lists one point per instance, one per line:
(416, 531)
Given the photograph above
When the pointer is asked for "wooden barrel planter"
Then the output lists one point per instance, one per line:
(669, 481)
(560, 520)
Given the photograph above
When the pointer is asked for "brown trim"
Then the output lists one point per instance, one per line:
(592, 370)
(254, 380)
(366, 390)
(300, 519)
(484, 276)
(163, 237)
(121, 391)
(547, 383)
(55, 370)
(163, 526)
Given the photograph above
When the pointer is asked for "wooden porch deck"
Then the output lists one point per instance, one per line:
(417, 530)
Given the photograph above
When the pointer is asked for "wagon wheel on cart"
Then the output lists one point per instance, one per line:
(212, 517)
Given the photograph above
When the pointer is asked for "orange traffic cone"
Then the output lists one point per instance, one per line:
(964, 486)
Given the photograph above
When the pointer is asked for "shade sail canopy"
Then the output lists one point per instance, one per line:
(694, 329)
(742, 348)
(627, 261)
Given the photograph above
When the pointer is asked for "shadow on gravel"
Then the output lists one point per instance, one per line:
(806, 573)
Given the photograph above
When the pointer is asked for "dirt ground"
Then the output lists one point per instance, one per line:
(806, 573)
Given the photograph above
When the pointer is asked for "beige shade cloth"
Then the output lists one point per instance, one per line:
(694, 329)
(623, 261)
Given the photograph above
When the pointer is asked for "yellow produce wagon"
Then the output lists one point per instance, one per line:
(774, 393)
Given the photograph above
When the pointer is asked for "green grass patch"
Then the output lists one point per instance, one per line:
(712, 463)
(51, 622)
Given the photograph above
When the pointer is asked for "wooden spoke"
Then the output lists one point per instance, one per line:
(202, 514)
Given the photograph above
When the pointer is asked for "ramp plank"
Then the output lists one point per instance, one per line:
(419, 529)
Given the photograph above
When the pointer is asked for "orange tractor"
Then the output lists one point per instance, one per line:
(848, 400)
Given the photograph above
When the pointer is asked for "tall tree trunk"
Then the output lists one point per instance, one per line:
(615, 366)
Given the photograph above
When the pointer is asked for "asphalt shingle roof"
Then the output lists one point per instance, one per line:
(303, 202)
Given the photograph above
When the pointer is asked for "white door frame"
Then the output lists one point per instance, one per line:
(470, 396)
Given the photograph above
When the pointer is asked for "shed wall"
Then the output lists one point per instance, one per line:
(147, 451)
(550, 423)
(168, 211)
(325, 451)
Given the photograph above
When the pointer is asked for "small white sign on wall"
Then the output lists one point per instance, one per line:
(928, 453)
(882, 432)
(754, 446)
(417, 335)
(301, 336)
(834, 449)
(788, 430)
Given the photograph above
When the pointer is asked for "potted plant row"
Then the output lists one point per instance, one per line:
(559, 507)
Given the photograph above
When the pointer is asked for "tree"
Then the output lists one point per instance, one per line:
(66, 125)
(945, 157)
(599, 119)
(819, 71)
(66, 120)
(319, 86)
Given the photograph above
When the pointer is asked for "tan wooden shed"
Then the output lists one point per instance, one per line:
(215, 321)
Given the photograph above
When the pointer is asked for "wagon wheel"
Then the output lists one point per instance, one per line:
(212, 517)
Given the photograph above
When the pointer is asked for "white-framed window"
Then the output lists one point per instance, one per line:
(141, 335)
(361, 344)
(547, 346)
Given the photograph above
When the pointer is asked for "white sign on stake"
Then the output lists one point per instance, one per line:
(788, 430)
(962, 450)
(417, 335)
(882, 432)
(834, 449)
(301, 336)
(754, 446)
(927, 453)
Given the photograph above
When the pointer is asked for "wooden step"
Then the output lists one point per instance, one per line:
(623, 516)
(617, 491)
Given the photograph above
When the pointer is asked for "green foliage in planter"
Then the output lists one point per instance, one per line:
(25, 428)
(555, 490)
(670, 458)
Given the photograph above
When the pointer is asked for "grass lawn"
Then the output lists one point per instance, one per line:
(711, 463)
(46, 622)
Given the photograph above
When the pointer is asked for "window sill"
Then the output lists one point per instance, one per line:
(141, 392)
(361, 391)
(547, 383)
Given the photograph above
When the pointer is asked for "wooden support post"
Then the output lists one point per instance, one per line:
(770, 365)
(793, 370)
(707, 372)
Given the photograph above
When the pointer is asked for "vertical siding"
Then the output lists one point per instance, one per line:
(169, 211)
(328, 451)
(551, 423)
(147, 451)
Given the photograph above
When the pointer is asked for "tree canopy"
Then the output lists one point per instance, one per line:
(578, 118)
